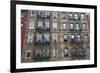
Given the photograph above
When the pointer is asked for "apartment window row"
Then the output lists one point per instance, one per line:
(75, 37)
(71, 15)
(78, 26)
(43, 38)
(67, 52)
(46, 25)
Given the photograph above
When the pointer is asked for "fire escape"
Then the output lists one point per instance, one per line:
(43, 42)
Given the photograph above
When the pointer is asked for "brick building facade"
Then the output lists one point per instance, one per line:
(54, 35)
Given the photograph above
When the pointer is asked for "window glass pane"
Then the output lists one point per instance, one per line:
(47, 24)
(82, 16)
(39, 38)
(31, 25)
(40, 24)
(78, 37)
(85, 38)
(46, 36)
(28, 54)
(64, 26)
(65, 36)
(33, 13)
(72, 36)
(70, 14)
(55, 25)
(30, 37)
(63, 15)
(76, 16)
(54, 14)
(54, 37)
(77, 27)
(84, 27)
(71, 26)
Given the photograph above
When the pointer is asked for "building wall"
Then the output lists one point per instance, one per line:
(60, 45)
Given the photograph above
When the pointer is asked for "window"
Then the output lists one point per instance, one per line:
(33, 13)
(28, 54)
(39, 38)
(47, 13)
(47, 24)
(70, 16)
(71, 26)
(54, 25)
(86, 38)
(65, 37)
(40, 24)
(72, 36)
(40, 13)
(55, 52)
(65, 52)
(64, 26)
(63, 15)
(77, 27)
(54, 37)
(54, 15)
(38, 52)
(42, 52)
(31, 25)
(45, 52)
(78, 37)
(43, 38)
(84, 27)
(76, 16)
(46, 37)
(30, 37)
(82, 16)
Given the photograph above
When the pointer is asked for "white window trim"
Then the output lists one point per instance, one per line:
(29, 50)
(30, 36)
(31, 25)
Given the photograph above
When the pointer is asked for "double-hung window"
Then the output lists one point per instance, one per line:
(71, 26)
(28, 54)
(33, 13)
(54, 15)
(30, 37)
(82, 16)
(39, 38)
(76, 16)
(65, 37)
(54, 25)
(54, 37)
(84, 27)
(31, 25)
(78, 37)
(64, 26)
(77, 26)
(40, 24)
(70, 16)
